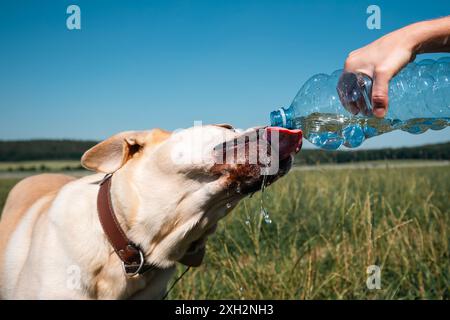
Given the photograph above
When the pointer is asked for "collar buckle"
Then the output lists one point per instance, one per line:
(133, 269)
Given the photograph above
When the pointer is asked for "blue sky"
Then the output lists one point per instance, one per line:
(145, 64)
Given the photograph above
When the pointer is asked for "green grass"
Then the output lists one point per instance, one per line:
(328, 227)
(5, 186)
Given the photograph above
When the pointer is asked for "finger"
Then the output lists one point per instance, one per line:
(380, 98)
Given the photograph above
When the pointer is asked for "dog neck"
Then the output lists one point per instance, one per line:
(111, 278)
(139, 219)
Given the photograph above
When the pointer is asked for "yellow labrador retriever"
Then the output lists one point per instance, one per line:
(165, 196)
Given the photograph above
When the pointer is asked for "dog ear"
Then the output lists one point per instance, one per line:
(111, 154)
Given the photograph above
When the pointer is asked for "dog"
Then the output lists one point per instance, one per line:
(167, 202)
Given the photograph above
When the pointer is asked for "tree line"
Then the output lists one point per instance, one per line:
(439, 151)
(26, 150)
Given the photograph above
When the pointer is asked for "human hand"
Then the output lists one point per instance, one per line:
(381, 60)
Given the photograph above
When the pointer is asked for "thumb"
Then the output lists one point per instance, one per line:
(380, 97)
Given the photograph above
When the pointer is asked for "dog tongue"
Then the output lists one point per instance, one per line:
(290, 141)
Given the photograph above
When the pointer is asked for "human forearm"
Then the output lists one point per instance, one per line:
(430, 36)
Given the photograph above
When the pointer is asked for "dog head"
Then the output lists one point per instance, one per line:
(173, 188)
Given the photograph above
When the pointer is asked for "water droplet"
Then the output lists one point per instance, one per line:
(264, 212)
(266, 216)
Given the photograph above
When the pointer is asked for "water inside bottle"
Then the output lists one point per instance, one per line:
(330, 131)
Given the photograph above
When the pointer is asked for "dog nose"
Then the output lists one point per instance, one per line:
(289, 141)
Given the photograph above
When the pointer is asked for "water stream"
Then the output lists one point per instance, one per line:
(264, 212)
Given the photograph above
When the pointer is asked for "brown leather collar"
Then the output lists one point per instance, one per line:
(132, 257)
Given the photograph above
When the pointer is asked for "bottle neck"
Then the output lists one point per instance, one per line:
(282, 117)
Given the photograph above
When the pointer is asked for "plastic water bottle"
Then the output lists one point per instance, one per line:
(334, 110)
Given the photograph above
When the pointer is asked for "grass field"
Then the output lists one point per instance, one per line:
(328, 227)
(41, 165)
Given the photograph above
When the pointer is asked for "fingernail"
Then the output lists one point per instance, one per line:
(379, 111)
